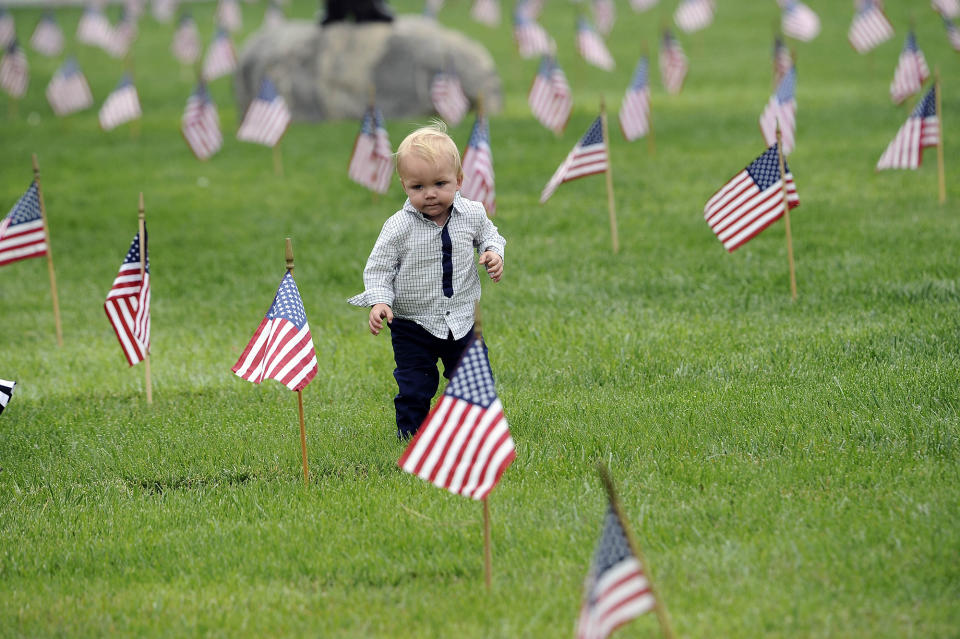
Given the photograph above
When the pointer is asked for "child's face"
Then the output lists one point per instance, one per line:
(430, 187)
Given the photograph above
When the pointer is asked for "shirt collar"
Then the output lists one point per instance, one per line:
(457, 208)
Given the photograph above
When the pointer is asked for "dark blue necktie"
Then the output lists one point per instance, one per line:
(446, 251)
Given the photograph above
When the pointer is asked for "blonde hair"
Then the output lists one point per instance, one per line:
(430, 143)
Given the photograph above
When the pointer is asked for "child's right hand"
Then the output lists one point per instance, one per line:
(377, 314)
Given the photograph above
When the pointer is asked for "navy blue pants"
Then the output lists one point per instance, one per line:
(416, 352)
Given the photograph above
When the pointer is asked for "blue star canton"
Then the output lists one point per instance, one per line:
(27, 208)
(287, 304)
(473, 380)
(765, 170)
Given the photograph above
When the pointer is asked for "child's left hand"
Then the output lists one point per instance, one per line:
(493, 263)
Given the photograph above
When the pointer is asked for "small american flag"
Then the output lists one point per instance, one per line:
(228, 15)
(911, 71)
(643, 5)
(273, 15)
(22, 233)
(591, 46)
(448, 97)
(486, 12)
(947, 8)
(120, 37)
(605, 15)
(532, 39)
(870, 27)
(751, 201)
(782, 60)
(186, 40)
(47, 38)
(478, 181)
(68, 90)
(8, 30)
(550, 98)
(635, 109)
(122, 105)
(953, 34)
(267, 117)
(281, 348)
(371, 163)
(530, 8)
(693, 15)
(799, 21)
(13, 71)
(922, 129)
(616, 589)
(673, 63)
(221, 59)
(6, 392)
(128, 303)
(200, 124)
(588, 157)
(163, 10)
(782, 110)
(93, 28)
(464, 444)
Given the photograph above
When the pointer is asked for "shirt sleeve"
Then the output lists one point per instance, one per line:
(489, 239)
(380, 271)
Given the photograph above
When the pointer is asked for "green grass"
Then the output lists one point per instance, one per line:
(790, 468)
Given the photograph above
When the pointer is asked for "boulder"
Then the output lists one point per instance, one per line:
(328, 73)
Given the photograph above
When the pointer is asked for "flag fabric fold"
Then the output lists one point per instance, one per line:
(870, 27)
(635, 109)
(14, 71)
(911, 72)
(200, 124)
(281, 348)
(592, 48)
(673, 63)
(371, 163)
(616, 589)
(47, 38)
(464, 444)
(751, 201)
(267, 117)
(448, 97)
(550, 98)
(68, 90)
(22, 235)
(588, 157)
(694, 15)
(478, 183)
(781, 110)
(128, 303)
(221, 58)
(122, 105)
(6, 392)
(531, 38)
(922, 129)
(186, 41)
(798, 21)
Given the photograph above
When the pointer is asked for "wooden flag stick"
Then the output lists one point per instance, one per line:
(142, 224)
(609, 173)
(658, 606)
(940, 170)
(46, 234)
(487, 570)
(786, 216)
(277, 160)
(303, 430)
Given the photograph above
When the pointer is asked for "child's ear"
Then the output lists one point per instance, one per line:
(459, 181)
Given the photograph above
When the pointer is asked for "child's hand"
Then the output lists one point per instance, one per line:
(377, 313)
(494, 264)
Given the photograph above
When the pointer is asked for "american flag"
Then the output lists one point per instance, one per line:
(68, 90)
(799, 21)
(448, 97)
(122, 105)
(782, 59)
(550, 98)
(163, 10)
(592, 47)
(478, 167)
(532, 39)
(371, 163)
(200, 124)
(186, 40)
(635, 109)
(93, 28)
(588, 157)
(486, 12)
(273, 15)
(22, 233)
(530, 8)
(870, 27)
(221, 59)
(643, 5)
(947, 8)
(922, 129)
(693, 15)
(128, 303)
(464, 444)
(6, 392)
(782, 110)
(120, 37)
(605, 15)
(751, 201)
(673, 63)
(47, 38)
(911, 71)
(228, 15)
(267, 117)
(953, 34)
(616, 589)
(8, 31)
(13, 71)
(281, 348)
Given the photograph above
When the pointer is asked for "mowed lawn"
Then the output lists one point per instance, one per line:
(790, 468)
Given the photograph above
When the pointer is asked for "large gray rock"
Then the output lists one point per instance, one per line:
(328, 73)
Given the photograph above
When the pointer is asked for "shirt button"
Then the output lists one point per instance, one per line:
(448, 312)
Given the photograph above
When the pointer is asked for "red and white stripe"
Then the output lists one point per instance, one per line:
(740, 210)
(550, 100)
(186, 43)
(13, 72)
(905, 150)
(635, 113)
(448, 98)
(909, 76)
(265, 122)
(228, 15)
(128, 309)
(593, 49)
(47, 38)
(532, 39)
(279, 351)
(478, 182)
(870, 28)
(486, 12)
(221, 59)
(67, 94)
(800, 22)
(120, 106)
(623, 593)
(947, 8)
(26, 239)
(93, 29)
(693, 15)
(200, 127)
(673, 65)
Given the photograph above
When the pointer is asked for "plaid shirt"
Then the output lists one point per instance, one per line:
(405, 268)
